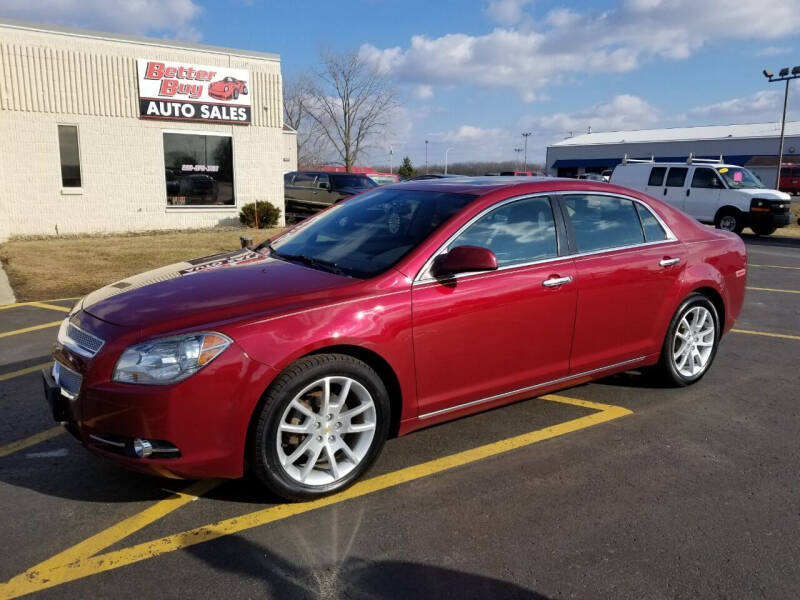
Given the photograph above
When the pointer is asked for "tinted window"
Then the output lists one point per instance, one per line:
(600, 222)
(323, 182)
(352, 181)
(676, 176)
(304, 179)
(369, 233)
(287, 178)
(657, 176)
(705, 178)
(653, 232)
(199, 170)
(70, 156)
(520, 232)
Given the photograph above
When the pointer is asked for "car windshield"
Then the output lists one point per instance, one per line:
(739, 177)
(361, 182)
(369, 233)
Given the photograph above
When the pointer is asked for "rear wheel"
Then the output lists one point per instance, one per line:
(322, 423)
(235, 94)
(691, 342)
(763, 229)
(730, 220)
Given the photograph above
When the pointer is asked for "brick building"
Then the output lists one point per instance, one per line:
(110, 133)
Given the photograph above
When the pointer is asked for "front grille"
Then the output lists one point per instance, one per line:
(82, 342)
(68, 380)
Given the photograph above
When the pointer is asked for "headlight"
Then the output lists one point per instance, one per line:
(168, 360)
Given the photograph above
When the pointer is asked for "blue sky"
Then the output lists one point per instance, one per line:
(472, 75)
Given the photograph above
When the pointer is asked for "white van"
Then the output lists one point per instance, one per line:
(728, 196)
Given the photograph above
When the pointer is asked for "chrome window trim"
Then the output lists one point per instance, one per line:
(423, 275)
(529, 388)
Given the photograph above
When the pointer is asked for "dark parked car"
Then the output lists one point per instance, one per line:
(406, 306)
(432, 176)
(308, 192)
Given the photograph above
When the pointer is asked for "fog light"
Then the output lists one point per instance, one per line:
(142, 448)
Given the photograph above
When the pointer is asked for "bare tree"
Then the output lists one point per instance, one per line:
(352, 104)
(311, 142)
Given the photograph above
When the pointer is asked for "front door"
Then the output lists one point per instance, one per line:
(702, 195)
(627, 274)
(482, 334)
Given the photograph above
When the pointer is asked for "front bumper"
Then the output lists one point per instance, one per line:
(768, 219)
(195, 429)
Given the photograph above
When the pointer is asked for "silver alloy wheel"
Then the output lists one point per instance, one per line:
(326, 430)
(693, 341)
(727, 222)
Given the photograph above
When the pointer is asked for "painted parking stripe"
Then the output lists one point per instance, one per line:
(25, 371)
(762, 289)
(50, 306)
(29, 302)
(773, 266)
(83, 559)
(785, 336)
(29, 329)
(32, 440)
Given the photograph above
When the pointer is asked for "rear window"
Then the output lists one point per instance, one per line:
(601, 222)
(653, 232)
(676, 176)
(657, 176)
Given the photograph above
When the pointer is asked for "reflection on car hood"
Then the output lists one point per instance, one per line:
(207, 289)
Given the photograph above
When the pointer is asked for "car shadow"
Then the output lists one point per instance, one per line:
(317, 576)
(644, 379)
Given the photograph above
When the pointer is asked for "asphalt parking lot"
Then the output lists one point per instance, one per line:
(614, 489)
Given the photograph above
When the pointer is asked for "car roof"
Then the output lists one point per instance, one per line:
(486, 184)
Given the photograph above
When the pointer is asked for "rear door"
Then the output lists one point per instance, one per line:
(703, 193)
(655, 181)
(627, 268)
(674, 187)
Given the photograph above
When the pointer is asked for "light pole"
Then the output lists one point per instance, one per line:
(525, 137)
(783, 75)
(518, 161)
(445, 160)
(391, 156)
(426, 157)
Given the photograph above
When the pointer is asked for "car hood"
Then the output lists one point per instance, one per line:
(763, 193)
(210, 289)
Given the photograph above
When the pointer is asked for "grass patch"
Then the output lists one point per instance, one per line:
(39, 269)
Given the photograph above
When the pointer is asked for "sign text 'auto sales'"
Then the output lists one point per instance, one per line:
(187, 92)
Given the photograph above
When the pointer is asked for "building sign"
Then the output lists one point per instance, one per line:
(187, 92)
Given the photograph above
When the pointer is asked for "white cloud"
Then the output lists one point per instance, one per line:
(620, 112)
(528, 55)
(423, 92)
(507, 12)
(471, 133)
(762, 106)
(773, 51)
(174, 18)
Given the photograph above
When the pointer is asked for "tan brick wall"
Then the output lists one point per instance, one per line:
(48, 79)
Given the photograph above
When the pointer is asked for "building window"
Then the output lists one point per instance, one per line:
(70, 156)
(199, 170)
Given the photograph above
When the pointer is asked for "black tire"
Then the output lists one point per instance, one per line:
(263, 453)
(666, 371)
(244, 90)
(763, 229)
(235, 94)
(729, 219)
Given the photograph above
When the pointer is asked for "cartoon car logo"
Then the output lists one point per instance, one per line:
(227, 88)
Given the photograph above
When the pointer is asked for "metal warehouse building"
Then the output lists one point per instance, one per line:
(108, 133)
(754, 146)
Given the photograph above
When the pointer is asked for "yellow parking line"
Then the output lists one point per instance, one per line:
(81, 561)
(50, 306)
(773, 266)
(760, 289)
(29, 302)
(25, 371)
(32, 440)
(29, 329)
(785, 336)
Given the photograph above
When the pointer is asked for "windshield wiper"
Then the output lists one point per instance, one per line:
(318, 263)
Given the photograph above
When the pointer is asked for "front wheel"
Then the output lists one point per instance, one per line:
(691, 342)
(322, 423)
(763, 229)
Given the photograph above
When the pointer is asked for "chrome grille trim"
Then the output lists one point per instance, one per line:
(68, 380)
(79, 341)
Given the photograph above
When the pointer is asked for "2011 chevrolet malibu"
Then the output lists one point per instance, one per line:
(402, 307)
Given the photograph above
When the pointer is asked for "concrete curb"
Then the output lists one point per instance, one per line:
(6, 293)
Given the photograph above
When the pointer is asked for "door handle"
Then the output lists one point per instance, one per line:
(665, 191)
(668, 262)
(687, 191)
(556, 281)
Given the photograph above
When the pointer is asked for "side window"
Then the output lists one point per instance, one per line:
(323, 182)
(287, 178)
(705, 178)
(519, 232)
(601, 222)
(657, 176)
(304, 179)
(653, 232)
(676, 176)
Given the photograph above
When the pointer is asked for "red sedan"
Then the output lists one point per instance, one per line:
(405, 306)
(227, 88)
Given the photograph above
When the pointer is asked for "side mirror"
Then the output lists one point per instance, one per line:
(464, 259)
